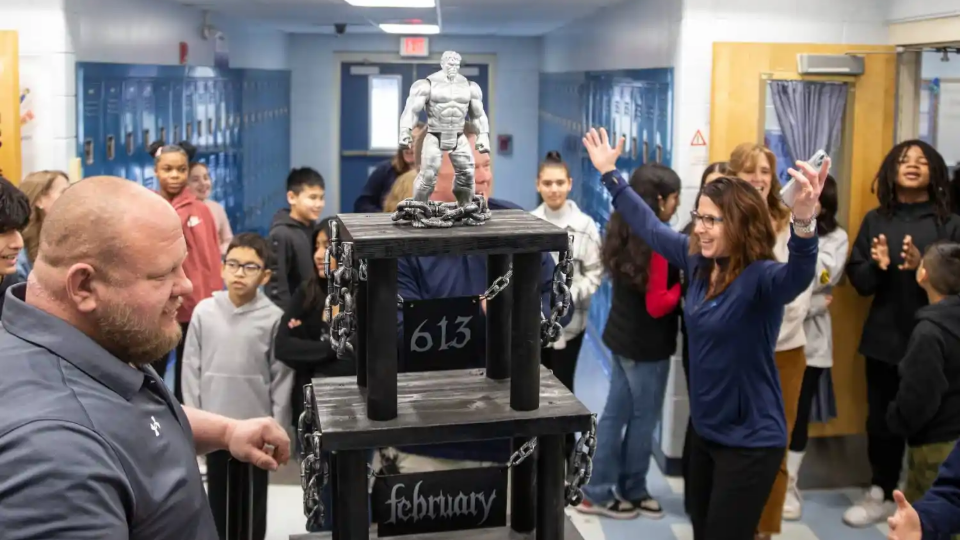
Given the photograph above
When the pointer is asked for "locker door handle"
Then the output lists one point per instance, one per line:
(176, 133)
(88, 151)
(111, 147)
(129, 143)
(646, 152)
(146, 139)
(163, 134)
(659, 153)
(633, 148)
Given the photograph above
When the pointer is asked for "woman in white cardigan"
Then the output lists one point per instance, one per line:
(819, 333)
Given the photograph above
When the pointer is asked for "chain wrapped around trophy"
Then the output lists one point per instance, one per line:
(450, 102)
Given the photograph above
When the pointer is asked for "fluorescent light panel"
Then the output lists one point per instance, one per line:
(418, 29)
(393, 3)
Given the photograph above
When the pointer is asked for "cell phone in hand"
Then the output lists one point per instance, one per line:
(789, 192)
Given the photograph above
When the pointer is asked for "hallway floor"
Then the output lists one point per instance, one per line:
(822, 509)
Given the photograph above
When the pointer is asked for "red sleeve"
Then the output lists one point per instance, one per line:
(203, 264)
(660, 300)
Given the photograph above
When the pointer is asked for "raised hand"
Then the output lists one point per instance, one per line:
(905, 523)
(602, 155)
(811, 183)
(910, 254)
(880, 253)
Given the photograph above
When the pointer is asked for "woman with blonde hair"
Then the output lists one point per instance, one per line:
(42, 189)
(757, 165)
(401, 189)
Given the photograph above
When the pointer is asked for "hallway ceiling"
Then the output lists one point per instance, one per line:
(457, 17)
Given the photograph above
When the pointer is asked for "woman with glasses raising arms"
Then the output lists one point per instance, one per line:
(733, 310)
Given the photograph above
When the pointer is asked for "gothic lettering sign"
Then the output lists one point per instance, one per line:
(442, 334)
(441, 501)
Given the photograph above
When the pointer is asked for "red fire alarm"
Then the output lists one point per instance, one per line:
(505, 144)
(184, 53)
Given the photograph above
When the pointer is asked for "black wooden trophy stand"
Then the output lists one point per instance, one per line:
(513, 398)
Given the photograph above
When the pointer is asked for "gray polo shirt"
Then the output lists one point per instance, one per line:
(89, 446)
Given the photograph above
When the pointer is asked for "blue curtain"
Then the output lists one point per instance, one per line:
(811, 119)
(810, 115)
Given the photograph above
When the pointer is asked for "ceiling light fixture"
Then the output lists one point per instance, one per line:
(393, 3)
(418, 29)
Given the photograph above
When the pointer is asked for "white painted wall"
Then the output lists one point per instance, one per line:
(315, 104)
(635, 34)
(47, 68)
(913, 10)
(55, 34)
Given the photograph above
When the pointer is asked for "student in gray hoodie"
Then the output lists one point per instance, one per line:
(229, 368)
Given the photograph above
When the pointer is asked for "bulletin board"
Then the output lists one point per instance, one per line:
(9, 107)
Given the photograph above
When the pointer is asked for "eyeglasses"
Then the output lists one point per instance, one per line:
(707, 221)
(249, 268)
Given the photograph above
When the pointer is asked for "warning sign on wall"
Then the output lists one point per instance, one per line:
(698, 139)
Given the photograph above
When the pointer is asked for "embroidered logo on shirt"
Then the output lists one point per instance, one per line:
(193, 221)
(825, 277)
(155, 426)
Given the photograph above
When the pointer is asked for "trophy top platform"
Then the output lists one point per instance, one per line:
(443, 407)
(377, 236)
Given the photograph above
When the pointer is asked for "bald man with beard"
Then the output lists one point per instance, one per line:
(92, 445)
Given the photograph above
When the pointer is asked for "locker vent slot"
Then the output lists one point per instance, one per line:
(111, 147)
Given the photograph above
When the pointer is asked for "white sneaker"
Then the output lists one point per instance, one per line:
(872, 509)
(793, 504)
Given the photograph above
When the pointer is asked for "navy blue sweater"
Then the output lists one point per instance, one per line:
(939, 508)
(376, 189)
(420, 278)
(735, 395)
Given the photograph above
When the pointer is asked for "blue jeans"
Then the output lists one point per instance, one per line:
(635, 402)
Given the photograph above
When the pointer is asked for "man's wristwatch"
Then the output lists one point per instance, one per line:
(803, 226)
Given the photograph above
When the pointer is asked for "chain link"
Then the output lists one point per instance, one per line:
(497, 286)
(314, 471)
(581, 465)
(560, 297)
(522, 453)
(437, 215)
(341, 287)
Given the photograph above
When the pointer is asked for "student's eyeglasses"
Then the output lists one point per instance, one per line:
(707, 221)
(249, 268)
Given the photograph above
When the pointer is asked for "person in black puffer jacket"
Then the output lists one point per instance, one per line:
(641, 333)
(913, 190)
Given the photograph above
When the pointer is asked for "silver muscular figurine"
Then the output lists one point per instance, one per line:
(450, 100)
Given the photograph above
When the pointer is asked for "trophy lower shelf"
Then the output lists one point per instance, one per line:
(570, 532)
(443, 407)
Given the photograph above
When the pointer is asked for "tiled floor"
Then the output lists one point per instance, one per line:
(822, 509)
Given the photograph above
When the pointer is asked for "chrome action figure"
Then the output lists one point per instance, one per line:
(450, 101)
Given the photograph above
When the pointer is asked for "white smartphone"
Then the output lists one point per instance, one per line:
(789, 192)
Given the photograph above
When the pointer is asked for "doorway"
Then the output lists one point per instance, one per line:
(372, 97)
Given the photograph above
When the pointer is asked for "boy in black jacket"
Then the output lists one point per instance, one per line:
(914, 212)
(926, 411)
(14, 214)
(290, 235)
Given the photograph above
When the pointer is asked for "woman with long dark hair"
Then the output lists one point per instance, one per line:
(734, 306)
(641, 334)
(914, 211)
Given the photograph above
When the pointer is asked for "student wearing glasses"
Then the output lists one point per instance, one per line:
(229, 367)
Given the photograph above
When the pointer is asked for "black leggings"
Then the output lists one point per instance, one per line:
(811, 380)
(884, 449)
(727, 488)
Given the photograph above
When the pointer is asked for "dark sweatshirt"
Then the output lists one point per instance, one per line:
(292, 257)
(939, 508)
(927, 407)
(896, 295)
(735, 395)
(306, 348)
(452, 276)
(376, 189)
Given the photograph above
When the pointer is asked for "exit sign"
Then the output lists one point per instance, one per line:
(415, 47)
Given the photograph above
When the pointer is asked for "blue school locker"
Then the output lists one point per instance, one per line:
(90, 138)
(130, 127)
(146, 107)
(189, 112)
(115, 152)
(665, 121)
(163, 92)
